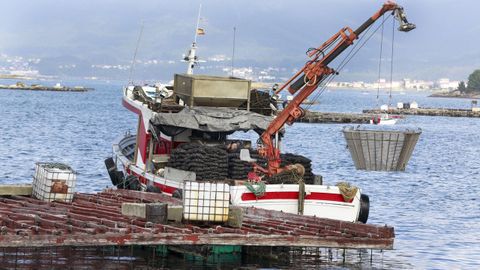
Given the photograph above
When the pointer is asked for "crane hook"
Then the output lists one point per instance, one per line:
(401, 16)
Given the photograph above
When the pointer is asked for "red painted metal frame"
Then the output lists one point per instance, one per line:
(314, 71)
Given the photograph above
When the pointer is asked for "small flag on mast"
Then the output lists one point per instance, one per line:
(200, 31)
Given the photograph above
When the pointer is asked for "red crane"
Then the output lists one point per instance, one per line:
(305, 81)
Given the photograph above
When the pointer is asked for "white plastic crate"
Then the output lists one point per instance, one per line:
(53, 182)
(204, 201)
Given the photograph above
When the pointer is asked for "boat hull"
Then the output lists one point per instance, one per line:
(383, 120)
(319, 200)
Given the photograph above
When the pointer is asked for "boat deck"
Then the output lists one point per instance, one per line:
(96, 220)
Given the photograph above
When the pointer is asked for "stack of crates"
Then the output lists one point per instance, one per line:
(206, 201)
(53, 182)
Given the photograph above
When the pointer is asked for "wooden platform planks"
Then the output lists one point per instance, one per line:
(96, 220)
(336, 118)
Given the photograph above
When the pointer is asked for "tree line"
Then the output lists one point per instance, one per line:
(473, 83)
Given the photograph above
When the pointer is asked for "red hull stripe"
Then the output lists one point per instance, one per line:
(164, 188)
(142, 141)
(276, 195)
(293, 195)
(130, 107)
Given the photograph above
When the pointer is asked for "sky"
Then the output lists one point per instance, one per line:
(268, 33)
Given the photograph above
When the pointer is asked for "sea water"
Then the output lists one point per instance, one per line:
(433, 205)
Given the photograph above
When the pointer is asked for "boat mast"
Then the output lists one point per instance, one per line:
(191, 58)
(132, 67)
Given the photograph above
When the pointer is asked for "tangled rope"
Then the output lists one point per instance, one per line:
(348, 191)
(259, 191)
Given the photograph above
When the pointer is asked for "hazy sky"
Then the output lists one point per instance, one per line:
(269, 32)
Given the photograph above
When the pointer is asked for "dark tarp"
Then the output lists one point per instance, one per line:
(210, 119)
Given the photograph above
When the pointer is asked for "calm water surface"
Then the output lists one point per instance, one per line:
(433, 205)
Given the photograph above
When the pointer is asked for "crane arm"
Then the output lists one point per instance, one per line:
(307, 79)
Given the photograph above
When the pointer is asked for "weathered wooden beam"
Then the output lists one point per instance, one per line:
(430, 112)
(16, 190)
(336, 118)
(109, 239)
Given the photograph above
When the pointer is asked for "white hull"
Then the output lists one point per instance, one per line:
(320, 200)
(389, 121)
(383, 120)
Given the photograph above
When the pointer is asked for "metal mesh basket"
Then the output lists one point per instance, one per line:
(53, 182)
(205, 201)
(381, 149)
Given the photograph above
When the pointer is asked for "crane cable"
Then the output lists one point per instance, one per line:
(391, 65)
(345, 61)
(330, 77)
(380, 63)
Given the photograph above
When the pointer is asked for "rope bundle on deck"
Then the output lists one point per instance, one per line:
(348, 191)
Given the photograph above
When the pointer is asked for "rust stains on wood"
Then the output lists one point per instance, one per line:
(96, 220)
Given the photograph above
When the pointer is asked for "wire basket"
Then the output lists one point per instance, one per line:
(206, 201)
(53, 182)
(381, 148)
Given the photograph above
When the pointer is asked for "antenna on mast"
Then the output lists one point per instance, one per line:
(198, 24)
(132, 67)
(191, 58)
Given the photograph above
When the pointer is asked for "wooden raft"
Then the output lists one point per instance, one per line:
(430, 112)
(96, 220)
(337, 118)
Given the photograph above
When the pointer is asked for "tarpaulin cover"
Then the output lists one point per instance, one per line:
(212, 119)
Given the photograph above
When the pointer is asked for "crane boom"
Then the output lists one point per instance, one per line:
(307, 79)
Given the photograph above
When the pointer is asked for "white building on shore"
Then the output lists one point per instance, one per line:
(446, 84)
